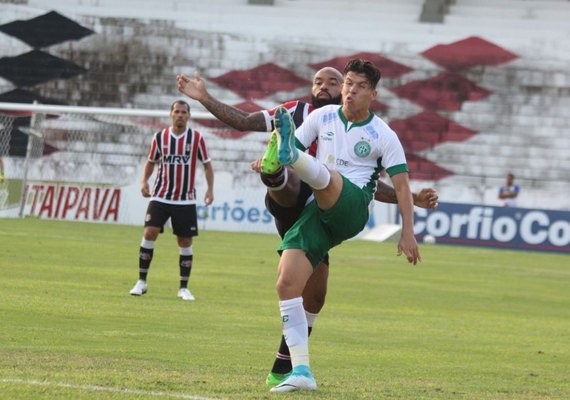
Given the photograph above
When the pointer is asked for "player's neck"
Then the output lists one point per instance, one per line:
(356, 116)
(177, 131)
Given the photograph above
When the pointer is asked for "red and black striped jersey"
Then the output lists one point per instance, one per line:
(298, 110)
(177, 157)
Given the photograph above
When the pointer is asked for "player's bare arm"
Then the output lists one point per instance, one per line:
(407, 244)
(425, 198)
(508, 195)
(209, 174)
(237, 119)
(147, 172)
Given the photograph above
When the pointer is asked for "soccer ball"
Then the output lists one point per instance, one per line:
(429, 239)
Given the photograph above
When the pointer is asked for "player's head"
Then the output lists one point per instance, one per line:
(326, 89)
(359, 88)
(180, 102)
(365, 68)
(510, 178)
(180, 114)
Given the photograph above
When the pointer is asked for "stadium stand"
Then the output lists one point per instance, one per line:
(498, 105)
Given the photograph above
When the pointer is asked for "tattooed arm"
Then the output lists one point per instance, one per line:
(237, 119)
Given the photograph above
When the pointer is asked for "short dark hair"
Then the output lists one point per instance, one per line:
(365, 67)
(179, 102)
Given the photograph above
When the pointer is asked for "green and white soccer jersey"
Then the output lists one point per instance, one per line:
(358, 151)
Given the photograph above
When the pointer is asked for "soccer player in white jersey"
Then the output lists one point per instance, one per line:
(354, 146)
(286, 195)
(176, 151)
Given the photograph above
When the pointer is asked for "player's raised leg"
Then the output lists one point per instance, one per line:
(309, 169)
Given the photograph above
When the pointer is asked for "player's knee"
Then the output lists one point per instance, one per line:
(151, 233)
(184, 241)
(287, 289)
(314, 303)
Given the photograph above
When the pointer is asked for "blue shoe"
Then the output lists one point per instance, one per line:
(286, 129)
(300, 379)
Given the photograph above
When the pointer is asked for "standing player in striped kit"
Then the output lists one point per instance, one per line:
(176, 151)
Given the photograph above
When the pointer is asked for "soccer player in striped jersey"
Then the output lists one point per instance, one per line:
(287, 195)
(176, 151)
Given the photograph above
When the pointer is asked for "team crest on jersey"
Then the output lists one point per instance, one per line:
(362, 149)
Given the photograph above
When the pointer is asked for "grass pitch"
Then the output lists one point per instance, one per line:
(467, 323)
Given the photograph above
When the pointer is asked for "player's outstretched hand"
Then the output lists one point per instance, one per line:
(256, 165)
(193, 88)
(426, 198)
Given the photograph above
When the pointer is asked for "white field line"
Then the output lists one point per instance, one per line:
(94, 388)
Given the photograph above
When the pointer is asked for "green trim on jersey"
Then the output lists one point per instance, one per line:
(345, 121)
(300, 145)
(397, 169)
(371, 185)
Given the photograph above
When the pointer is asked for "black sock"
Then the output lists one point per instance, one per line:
(282, 364)
(145, 257)
(274, 180)
(185, 263)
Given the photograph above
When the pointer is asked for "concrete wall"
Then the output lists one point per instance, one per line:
(522, 126)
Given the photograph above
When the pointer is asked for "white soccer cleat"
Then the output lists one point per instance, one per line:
(300, 379)
(185, 294)
(139, 289)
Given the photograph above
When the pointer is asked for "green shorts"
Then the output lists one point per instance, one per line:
(317, 231)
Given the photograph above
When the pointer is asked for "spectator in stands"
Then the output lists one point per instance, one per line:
(175, 150)
(509, 192)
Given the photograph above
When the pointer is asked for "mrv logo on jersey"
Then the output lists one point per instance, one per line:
(516, 228)
(170, 159)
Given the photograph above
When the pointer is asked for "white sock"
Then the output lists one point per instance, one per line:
(295, 330)
(147, 244)
(311, 317)
(311, 171)
(185, 251)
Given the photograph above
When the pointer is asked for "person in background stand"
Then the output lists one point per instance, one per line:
(175, 150)
(509, 192)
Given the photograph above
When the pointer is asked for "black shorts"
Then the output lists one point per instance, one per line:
(182, 217)
(285, 217)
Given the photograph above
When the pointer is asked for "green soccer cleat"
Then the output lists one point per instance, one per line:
(270, 162)
(274, 379)
(286, 129)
